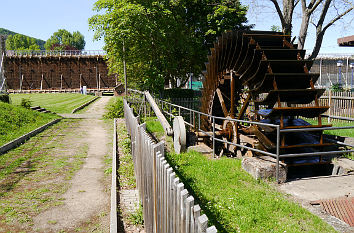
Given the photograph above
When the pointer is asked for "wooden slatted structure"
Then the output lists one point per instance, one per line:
(262, 76)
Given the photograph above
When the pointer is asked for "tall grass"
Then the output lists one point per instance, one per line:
(114, 108)
(236, 202)
(232, 199)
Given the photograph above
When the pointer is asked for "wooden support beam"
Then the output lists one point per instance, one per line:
(262, 138)
(166, 126)
(222, 102)
(232, 83)
(244, 107)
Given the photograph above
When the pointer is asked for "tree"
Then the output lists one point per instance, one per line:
(21, 42)
(320, 13)
(275, 28)
(64, 40)
(162, 40)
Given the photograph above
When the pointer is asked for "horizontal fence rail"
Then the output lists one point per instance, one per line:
(167, 205)
(12, 53)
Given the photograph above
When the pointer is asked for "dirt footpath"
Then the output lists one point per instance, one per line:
(62, 182)
(87, 196)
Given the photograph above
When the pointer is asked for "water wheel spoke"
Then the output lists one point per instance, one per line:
(244, 107)
(222, 102)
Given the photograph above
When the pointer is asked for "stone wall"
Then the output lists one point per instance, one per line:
(57, 72)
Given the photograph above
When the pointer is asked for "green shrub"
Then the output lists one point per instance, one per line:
(137, 217)
(180, 93)
(115, 109)
(337, 87)
(26, 103)
(5, 98)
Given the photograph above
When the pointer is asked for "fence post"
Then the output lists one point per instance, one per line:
(330, 105)
(162, 208)
(171, 209)
(196, 213)
(162, 164)
(166, 167)
(175, 209)
(156, 151)
(180, 187)
(211, 229)
(189, 205)
(158, 168)
(202, 223)
(183, 221)
(168, 200)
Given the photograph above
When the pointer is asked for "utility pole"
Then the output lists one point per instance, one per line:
(125, 71)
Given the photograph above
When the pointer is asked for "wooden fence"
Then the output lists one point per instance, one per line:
(167, 205)
(341, 104)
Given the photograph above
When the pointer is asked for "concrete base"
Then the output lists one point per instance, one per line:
(201, 148)
(343, 166)
(264, 168)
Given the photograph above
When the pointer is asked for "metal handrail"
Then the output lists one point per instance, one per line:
(275, 155)
(11, 53)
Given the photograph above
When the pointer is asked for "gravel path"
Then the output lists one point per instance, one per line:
(87, 197)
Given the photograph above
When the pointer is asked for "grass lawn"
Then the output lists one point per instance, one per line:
(16, 121)
(55, 102)
(236, 202)
(338, 132)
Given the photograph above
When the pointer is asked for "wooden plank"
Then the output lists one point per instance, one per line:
(222, 102)
(202, 223)
(166, 167)
(159, 216)
(180, 187)
(211, 229)
(184, 195)
(168, 200)
(189, 207)
(175, 207)
(166, 126)
(171, 210)
(163, 204)
(196, 214)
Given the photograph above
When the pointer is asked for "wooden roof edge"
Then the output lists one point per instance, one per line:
(346, 41)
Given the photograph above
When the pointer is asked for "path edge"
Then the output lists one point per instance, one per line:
(113, 215)
(84, 105)
(16, 142)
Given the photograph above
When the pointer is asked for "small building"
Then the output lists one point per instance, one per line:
(347, 41)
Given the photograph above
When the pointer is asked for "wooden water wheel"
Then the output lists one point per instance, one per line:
(261, 76)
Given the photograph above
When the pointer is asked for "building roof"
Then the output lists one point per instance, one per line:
(347, 41)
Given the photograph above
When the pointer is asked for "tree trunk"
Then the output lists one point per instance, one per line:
(317, 47)
(303, 30)
(288, 9)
